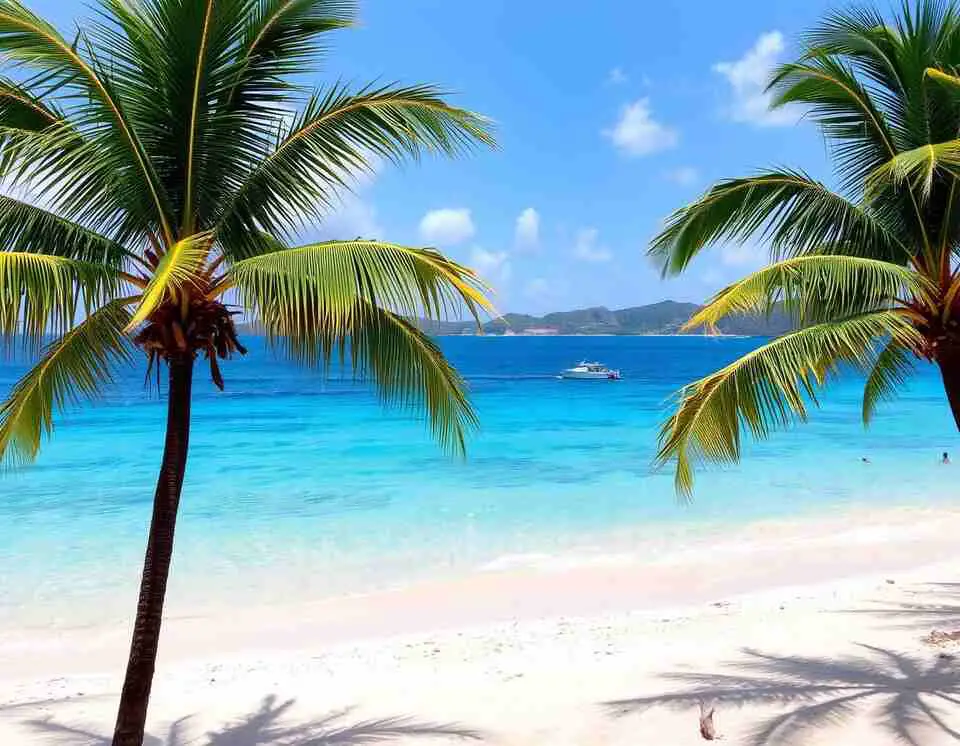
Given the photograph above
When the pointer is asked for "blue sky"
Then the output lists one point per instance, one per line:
(610, 114)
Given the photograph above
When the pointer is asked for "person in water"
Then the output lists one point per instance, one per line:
(946, 458)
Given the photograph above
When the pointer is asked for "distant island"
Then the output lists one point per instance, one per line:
(666, 317)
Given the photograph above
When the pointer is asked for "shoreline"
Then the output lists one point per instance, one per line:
(720, 335)
(613, 678)
(856, 537)
(657, 554)
(725, 562)
(494, 649)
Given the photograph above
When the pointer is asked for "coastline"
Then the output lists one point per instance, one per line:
(336, 501)
(525, 653)
(686, 335)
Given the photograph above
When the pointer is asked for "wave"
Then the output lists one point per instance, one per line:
(542, 561)
(510, 377)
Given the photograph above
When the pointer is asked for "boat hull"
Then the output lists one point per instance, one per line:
(589, 376)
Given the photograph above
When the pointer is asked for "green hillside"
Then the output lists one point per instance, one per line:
(665, 317)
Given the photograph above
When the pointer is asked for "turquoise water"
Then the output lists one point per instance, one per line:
(298, 488)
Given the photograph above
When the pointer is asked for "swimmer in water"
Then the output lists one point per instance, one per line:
(946, 458)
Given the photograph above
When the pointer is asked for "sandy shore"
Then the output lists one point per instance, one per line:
(809, 634)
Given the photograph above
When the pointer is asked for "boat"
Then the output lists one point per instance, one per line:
(591, 372)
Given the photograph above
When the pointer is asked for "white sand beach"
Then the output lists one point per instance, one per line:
(806, 633)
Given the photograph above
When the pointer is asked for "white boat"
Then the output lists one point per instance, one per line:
(591, 372)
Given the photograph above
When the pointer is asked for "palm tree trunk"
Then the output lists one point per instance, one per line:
(948, 359)
(132, 714)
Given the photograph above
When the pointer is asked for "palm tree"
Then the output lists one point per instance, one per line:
(868, 271)
(170, 159)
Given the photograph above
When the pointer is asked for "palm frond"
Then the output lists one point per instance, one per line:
(816, 288)
(283, 38)
(881, 88)
(892, 57)
(411, 371)
(408, 369)
(255, 96)
(795, 213)
(354, 300)
(177, 62)
(893, 366)
(865, 83)
(296, 291)
(78, 176)
(770, 388)
(170, 63)
(29, 41)
(918, 168)
(42, 294)
(176, 273)
(949, 298)
(862, 36)
(927, 32)
(27, 228)
(198, 104)
(335, 136)
(21, 109)
(22, 116)
(44, 154)
(843, 108)
(944, 78)
(78, 365)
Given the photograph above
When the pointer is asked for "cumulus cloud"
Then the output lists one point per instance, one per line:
(617, 76)
(527, 232)
(588, 248)
(748, 78)
(493, 266)
(638, 133)
(684, 175)
(447, 226)
(355, 218)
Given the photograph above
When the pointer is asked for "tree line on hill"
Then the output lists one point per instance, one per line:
(666, 317)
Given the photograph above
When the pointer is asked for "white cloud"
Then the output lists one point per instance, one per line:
(743, 255)
(617, 76)
(527, 232)
(493, 266)
(684, 175)
(587, 248)
(748, 78)
(354, 218)
(638, 133)
(447, 226)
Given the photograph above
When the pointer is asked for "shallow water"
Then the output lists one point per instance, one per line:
(299, 488)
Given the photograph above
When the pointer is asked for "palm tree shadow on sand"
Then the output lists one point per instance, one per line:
(937, 607)
(906, 696)
(270, 726)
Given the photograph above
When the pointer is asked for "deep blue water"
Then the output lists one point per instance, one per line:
(300, 487)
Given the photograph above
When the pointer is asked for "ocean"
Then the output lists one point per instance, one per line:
(299, 488)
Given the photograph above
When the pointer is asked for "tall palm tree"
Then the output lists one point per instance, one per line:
(171, 159)
(869, 271)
